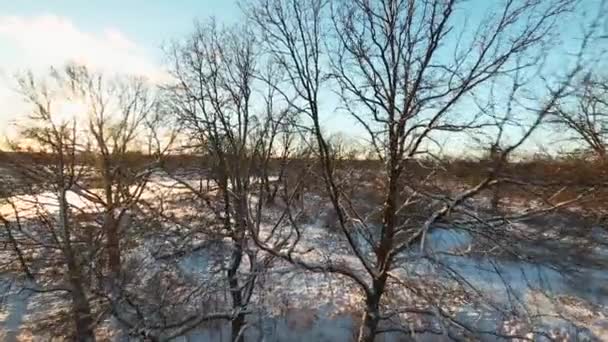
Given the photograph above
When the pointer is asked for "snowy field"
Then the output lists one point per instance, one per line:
(569, 302)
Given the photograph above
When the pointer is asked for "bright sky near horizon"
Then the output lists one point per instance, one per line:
(114, 35)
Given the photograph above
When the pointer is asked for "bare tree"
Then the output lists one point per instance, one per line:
(215, 73)
(69, 151)
(403, 70)
(60, 230)
(585, 113)
(118, 113)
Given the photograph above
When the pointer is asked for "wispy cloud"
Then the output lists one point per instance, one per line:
(40, 41)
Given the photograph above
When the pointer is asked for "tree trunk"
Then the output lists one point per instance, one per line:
(269, 193)
(110, 224)
(235, 292)
(495, 204)
(112, 244)
(238, 323)
(81, 309)
(371, 318)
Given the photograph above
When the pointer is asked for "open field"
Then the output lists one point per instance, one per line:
(554, 268)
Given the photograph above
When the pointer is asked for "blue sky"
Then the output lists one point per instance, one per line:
(110, 35)
(119, 35)
(148, 22)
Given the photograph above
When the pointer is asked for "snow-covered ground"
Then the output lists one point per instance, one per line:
(572, 306)
(291, 304)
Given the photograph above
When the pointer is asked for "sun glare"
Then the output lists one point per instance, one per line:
(69, 110)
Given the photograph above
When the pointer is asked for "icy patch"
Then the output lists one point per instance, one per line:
(13, 312)
(448, 240)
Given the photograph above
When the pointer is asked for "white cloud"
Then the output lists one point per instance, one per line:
(41, 41)
(38, 42)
